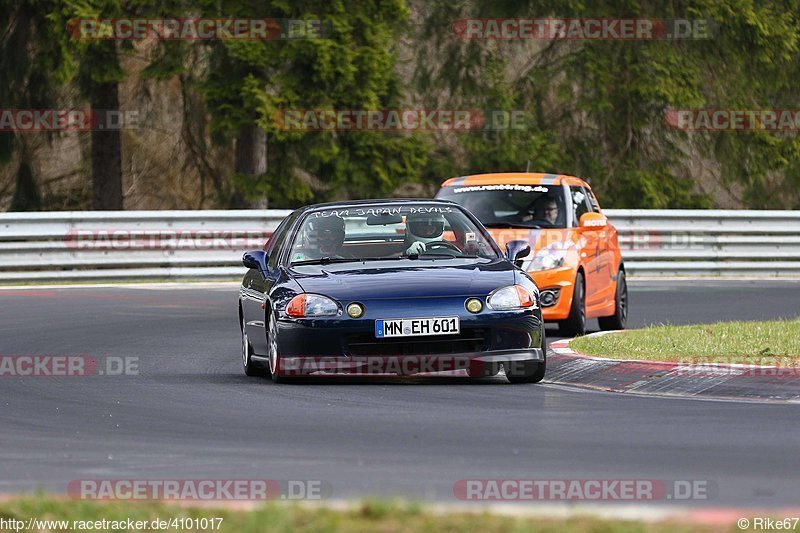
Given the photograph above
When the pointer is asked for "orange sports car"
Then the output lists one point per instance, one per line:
(574, 259)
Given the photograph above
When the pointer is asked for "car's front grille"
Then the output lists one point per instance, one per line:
(468, 341)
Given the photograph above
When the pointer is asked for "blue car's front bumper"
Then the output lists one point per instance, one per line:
(350, 345)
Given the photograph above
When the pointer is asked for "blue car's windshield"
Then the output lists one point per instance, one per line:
(385, 232)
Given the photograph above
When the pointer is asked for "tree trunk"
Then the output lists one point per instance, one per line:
(26, 195)
(106, 149)
(251, 161)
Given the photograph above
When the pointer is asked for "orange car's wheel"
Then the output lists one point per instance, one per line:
(575, 323)
(620, 317)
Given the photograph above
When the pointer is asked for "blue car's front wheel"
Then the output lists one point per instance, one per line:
(528, 371)
(274, 353)
(479, 369)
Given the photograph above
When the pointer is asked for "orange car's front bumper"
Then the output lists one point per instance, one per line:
(562, 279)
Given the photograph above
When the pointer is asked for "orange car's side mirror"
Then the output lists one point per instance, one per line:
(593, 220)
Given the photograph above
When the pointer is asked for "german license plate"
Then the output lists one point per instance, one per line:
(416, 327)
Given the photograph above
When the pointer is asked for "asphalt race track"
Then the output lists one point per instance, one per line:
(191, 413)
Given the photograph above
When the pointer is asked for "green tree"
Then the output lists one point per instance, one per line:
(352, 67)
(597, 108)
(95, 65)
(29, 70)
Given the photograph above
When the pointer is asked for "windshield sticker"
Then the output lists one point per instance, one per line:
(504, 187)
(379, 211)
(435, 209)
(331, 213)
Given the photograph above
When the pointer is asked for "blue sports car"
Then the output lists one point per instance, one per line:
(397, 287)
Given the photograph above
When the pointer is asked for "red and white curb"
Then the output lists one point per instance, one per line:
(727, 381)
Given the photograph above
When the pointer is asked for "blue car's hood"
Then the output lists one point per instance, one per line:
(405, 279)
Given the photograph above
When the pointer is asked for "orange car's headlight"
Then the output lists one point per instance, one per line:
(548, 259)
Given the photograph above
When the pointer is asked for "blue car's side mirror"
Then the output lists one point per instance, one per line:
(516, 251)
(256, 259)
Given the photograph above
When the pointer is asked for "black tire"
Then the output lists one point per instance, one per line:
(479, 369)
(620, 317)
(274, 353)
(575, 323)
(251, 368)
(528, 371)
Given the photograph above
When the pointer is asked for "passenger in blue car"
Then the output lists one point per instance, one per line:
(324, 238)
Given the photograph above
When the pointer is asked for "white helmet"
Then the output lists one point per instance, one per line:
(424, 227)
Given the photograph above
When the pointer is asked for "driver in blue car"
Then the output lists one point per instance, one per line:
(422, 229)
(324, 238)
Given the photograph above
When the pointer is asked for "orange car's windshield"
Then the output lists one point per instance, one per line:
(512, 205)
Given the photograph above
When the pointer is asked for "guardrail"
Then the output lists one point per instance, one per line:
(130, 245)
(709, 242)
(154, 245)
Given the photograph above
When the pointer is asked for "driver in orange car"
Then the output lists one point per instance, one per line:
(549, 210)
(546, 208)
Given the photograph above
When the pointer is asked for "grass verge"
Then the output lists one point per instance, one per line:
(371, 516)
(774, 342)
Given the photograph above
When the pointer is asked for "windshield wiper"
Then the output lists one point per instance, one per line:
(433, 255)
(330, 260)
(500, 224)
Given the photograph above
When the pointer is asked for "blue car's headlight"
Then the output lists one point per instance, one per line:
(512, 297)
(311, 305)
